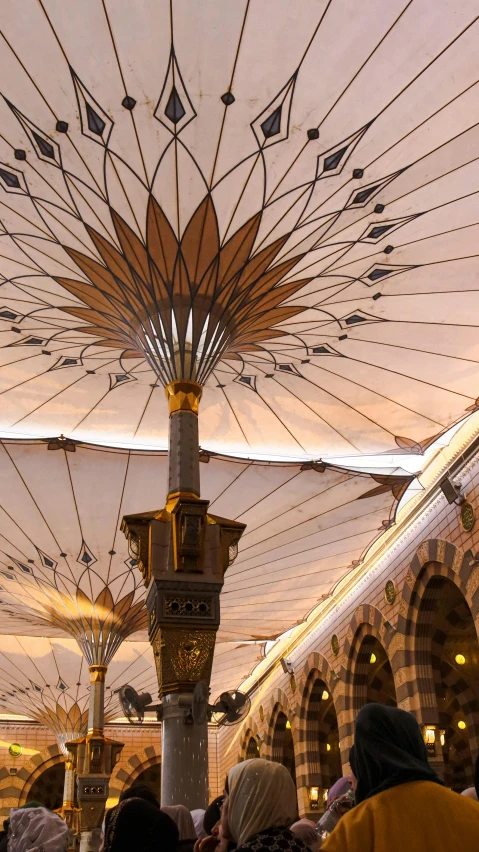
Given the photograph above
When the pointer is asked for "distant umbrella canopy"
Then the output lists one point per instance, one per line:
(48, 680)
(277, 200)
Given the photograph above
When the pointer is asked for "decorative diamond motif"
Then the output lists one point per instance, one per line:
(12, 180)
(9, 179)
(360, 198)
(288, 368)
(120, 379)
(95, 123)
(174, 103)
(7, 314)
(378, 271)
(66, 362)
(249, 381)
(375, 231)
(228, 98)
(45, 148)
(271, 126)
(358, 317)
(174, 108)
(30, 341)
(86, 557)
(46, 560)
(324, 349)
(332, 162)
(273, 123)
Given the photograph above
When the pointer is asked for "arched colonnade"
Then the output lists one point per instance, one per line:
(425, 660)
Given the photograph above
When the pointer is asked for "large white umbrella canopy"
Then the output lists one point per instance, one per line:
(276, 199)
(65, 569)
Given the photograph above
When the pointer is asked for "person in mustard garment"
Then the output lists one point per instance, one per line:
(401, 804)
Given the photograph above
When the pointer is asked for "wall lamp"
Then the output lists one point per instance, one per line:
(287, 666)
(452, 491)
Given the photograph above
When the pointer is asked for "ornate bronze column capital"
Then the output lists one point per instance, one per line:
(183, 656)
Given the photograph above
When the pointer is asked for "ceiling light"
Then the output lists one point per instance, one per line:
(328, 747)
(288, 725)
(372, 658)
(325, 695)
(461, 725)
(460, 659)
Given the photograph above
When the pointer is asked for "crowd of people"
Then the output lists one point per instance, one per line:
(393, 801)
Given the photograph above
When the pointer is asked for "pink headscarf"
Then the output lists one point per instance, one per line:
(339, 788)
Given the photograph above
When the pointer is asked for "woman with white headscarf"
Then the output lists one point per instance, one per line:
(36, 830)
(260, 805)
(198, 816)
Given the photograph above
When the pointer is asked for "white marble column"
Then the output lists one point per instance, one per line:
(184, 755)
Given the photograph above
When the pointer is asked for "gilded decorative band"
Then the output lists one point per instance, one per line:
(183, 396)
(97, 673)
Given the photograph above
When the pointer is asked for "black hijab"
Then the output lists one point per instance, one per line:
(389, 750)
(352, 761)
(212, 814)
(140, 791)
(135, 824)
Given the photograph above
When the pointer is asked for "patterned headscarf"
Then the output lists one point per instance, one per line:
(36, 830)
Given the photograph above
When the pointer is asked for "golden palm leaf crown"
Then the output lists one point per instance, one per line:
(183, 304)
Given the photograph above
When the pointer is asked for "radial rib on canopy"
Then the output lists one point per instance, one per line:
(183, 304)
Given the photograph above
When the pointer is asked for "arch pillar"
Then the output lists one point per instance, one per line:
(435, 561)
(367, 621)
(312, 733)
